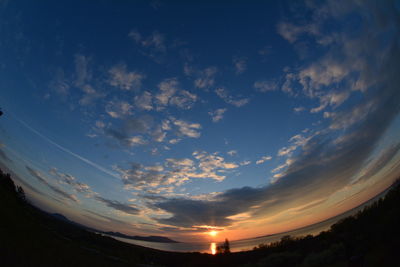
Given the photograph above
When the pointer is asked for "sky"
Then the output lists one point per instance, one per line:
(180, 119)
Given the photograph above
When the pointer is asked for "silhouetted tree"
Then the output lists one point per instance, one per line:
(224, 248)
(21, 193)
(7, 182)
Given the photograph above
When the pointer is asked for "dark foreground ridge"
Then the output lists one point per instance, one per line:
(31, 237)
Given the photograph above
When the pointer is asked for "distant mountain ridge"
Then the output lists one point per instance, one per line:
(160, 239)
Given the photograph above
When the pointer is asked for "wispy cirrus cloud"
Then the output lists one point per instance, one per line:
(66, 178)
(114, 204)
(41, 178)
(4, 156)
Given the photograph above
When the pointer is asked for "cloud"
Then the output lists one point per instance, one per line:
(292, 32)
(121, 78)
(153, 46)
(124, 139)
(82, 80)
(378, 163)
(90, 95)
(298, 140)
(184, 100)
(60, 84)
(224, 95)
(118, 109)
(144, 101)
(82, 72)
(126, 135)
(205, 78)
(232, 153)
(343, 120)
(218, 114)
(265, 86)
(73, 182)
(240, 64)
(334, 99)
(245, 162)
(154, 41)
(126, 208)
(174, 172)
(186, 128)
(171, 94)
(288, 85)
(299, 109)
(41, 178)
(167, 88)
(263, 159)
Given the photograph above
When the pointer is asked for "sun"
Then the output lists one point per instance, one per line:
(213, 233)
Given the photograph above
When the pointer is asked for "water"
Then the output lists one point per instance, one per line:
(248, 244)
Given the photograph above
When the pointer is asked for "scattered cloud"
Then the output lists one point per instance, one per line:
(218, 114)
(72, 181)
(171, 94)
(205, 78)
(154, 41)
(60, 84)
(185, 128)
(299, 109)
(127, 134)
(263, 159)
(265, 86)
(245, 162)
(123, 79)
(237, 102)
(174, 172)
(240, 64)
(118, 109)
(232, 153)
(292, 32)
(144, 101)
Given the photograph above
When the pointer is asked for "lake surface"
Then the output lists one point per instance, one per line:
(248, 244)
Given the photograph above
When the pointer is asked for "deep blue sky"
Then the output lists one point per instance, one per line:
(178, 118)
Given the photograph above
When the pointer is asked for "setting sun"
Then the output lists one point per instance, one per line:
(213, 233)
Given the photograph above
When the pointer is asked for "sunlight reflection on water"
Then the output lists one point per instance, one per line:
(213, 248)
